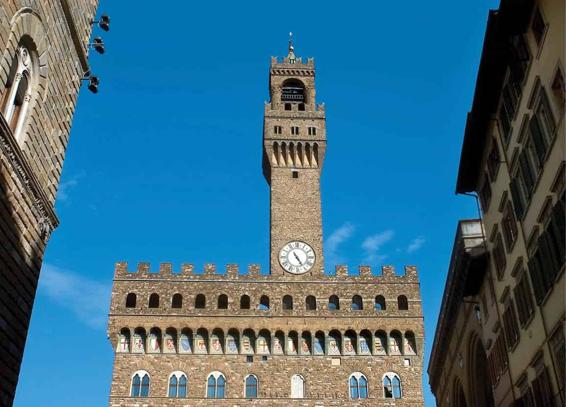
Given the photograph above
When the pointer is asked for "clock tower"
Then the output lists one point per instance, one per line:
(294, 143)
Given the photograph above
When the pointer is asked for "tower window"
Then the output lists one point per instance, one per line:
(295, 174)
(358, 386)
(245, 302)
(333, 303)
(287, 106)
(287, 302)
(402, 303)
(177, 301)
(131, 300)
(277, 130)
(391, 386)
(293, 90)
(295, 130)
(223, 301)
(312, 131)
(251, 387)
(154, 301)
(302, 107)
(216, 384)
(140, 384)
(178, 385)
(200, 301)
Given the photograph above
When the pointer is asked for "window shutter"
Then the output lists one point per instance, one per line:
(548, 265)
(538, 140)
(517, 201)
(534, 272)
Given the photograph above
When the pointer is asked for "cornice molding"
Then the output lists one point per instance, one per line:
(41, 206)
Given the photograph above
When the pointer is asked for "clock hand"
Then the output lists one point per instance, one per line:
(297, 257)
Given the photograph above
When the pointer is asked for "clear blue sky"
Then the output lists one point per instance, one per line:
(164, 164)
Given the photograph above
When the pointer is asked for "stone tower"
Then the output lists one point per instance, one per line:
(294, 142)
(44, 48)
(295, 336)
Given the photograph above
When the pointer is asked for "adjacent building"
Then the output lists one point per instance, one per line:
(500, 334)
(294, 335)
(44, 48)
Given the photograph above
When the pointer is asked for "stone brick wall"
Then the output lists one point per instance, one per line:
(30, 168)
(326, 376)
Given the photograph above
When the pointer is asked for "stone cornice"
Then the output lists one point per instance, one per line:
(41, 206)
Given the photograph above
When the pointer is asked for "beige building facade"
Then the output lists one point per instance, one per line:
(292, 335)
(503, 309)
(44, 47)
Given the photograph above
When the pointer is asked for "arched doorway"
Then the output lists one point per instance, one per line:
(481, 395)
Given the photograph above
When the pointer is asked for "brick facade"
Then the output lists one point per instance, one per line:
(55, 35)
(321, 326)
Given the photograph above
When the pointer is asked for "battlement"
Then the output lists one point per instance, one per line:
(232, 272)
(283, 62)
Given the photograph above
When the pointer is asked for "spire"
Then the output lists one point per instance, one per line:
(291, 55)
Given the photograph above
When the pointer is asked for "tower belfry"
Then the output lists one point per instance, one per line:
(294, 141)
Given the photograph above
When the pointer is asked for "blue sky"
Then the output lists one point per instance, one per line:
(164, 164)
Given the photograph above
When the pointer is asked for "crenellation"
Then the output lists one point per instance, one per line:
(143, 268)
(165, 269)
(253, 270)
(187, 269)
(341, 271)
(209, 269)
(365, 271)
(232, 270)
(388, 271)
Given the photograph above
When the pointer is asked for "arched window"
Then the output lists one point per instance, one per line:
(263, 303)
(200, 301)
(178, 385)
(358, 386)
(215, 386)
(245, 302)
(222, 301)
(154, 300)
(18, 93)
(311, 303)
(402, 303)
(251, 387)
(293, 90)
(140, 384)
(297, 387)
(391, 386)
(131, 300)
(379, 303)
(333, 303)
(287, 302)
(177, 301)
(357, 303)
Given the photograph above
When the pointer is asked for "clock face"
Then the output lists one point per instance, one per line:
(297, 257)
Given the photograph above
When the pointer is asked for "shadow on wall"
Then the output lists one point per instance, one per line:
(21, 254)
